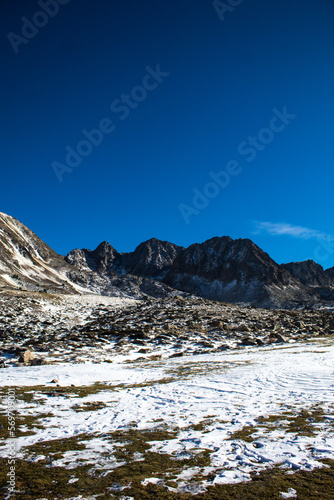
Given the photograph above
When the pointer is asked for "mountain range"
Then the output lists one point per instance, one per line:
(219, 269)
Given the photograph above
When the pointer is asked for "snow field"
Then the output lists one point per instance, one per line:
(205, 409)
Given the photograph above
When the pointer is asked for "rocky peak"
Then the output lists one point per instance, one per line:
(310, 273)
(106, 258)
(152, 258)
(232, 271)
(330, 273)
(102, 260)
(222, 258)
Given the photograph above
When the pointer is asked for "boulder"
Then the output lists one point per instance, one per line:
(177, 355)
(216, 323)
(280, 338)
(241, 328)
(205, 344)
(276, 338)
(223, 347)
(248, 341)
(37, 362)
(26, 356)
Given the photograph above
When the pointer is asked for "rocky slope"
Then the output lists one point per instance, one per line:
(85, 329)
(26, 261)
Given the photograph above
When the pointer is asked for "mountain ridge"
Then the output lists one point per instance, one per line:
(220, 268)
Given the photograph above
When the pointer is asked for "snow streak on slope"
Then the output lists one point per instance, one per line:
(27, 261)
(209, 400)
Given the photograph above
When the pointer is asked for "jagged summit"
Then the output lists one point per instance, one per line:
(313, 275)
(309, 272)
(234, 271)
(152, 258)
(101, 260)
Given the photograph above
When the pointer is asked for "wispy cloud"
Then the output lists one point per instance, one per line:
(282, 228)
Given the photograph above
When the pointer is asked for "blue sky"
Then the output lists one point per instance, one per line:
(200, 88)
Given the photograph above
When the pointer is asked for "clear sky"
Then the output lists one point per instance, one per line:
(216, 120)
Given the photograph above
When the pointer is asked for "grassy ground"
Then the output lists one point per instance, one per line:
(134, 461)
(36, 481)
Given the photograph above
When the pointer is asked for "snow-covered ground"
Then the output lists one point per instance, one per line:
(205, 399)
